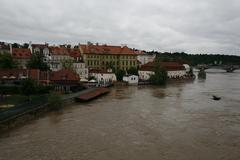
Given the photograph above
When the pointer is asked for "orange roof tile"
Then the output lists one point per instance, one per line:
(59, 51)
(106, 49)
(34, 74)
(64, 75)
(39, 45)
(21, 53)
(169, 66)
(74, 52)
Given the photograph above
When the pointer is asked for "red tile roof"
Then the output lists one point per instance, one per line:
(74, 52)
(17, 74)
(39, 45)
(64, 75)
(105, 49)
(59, 51)
(169, 66)
(172, 66)
(4, 46)
(21, 53)
(10, 73)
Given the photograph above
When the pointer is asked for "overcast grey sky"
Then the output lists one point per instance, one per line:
(194, 26)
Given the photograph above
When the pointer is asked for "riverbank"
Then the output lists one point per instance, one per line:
(18, 115)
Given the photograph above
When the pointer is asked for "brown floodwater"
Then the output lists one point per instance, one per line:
(176, 122)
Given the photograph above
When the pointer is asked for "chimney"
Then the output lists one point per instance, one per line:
(30, 43)
(123, 45)
(89, 43)
(30, 47)
(11, 50)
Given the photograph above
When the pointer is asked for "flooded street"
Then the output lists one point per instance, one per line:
(176, 122)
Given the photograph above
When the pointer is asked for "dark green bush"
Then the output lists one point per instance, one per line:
(10, 89)
(55, 101)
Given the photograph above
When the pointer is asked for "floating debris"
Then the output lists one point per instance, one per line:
(216, 98)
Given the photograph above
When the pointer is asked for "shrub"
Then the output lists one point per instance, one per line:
(9, 90)
(28, 87)
(160, 76)
(119, 74)
(41, 89)
(77, 88)
(55, 101)
(132, 71)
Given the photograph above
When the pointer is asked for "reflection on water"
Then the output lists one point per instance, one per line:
(178, 121)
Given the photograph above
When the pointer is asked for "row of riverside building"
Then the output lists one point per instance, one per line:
(91, 60)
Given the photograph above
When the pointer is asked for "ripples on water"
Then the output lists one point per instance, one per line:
(179, 121)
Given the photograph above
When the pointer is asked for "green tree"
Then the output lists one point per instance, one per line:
(16, 45)
(160, 76)
(55, 101)
(202, 74)
(191, 71)
(28, 87)
(67, 64)
(37, 62)
(6, 61)
(132, 71)
(91, 78)
(25, 45)
(195, 59)
(119, 74)
(110, 66)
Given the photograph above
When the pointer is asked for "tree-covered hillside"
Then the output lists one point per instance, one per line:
(199, 58)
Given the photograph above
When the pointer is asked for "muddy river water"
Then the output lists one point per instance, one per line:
(176, 122)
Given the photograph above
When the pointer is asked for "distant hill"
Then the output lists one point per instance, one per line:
(195, 59)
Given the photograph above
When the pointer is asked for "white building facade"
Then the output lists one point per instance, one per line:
(81, 69)
(145, 58)
(58, 56)
(174, 70)
(145, 75)
(176, 73)
(131, 79)
(103, 78)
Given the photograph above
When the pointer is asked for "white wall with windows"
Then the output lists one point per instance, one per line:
(131, 79)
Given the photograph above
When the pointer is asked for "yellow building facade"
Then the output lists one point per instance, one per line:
(104, 57)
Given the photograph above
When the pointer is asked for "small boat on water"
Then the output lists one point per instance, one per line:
(92, 94)
(216, 98)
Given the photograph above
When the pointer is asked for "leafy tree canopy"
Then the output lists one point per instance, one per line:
(37, 62)
(195, 59)
(16, 45)
(67, 64)
(132, 71)
(119, 74)
(160, 76)
(28, 87)
(25, 45)
(6, 61)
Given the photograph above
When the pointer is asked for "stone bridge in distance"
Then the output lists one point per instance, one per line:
(227, 68)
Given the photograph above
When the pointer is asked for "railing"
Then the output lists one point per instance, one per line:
(28, 107)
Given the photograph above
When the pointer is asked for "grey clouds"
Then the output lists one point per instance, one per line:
(206, 26)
